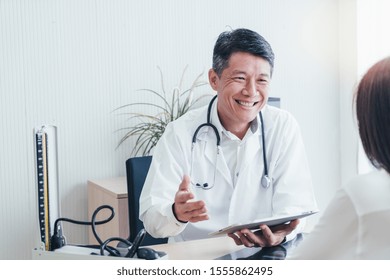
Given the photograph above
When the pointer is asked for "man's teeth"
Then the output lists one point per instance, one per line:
(247, 104)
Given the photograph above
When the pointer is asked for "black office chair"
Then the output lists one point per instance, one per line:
(136, 170)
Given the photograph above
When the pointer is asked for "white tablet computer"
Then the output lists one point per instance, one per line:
(270, 221)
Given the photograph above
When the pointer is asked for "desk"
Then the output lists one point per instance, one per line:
(224, 248)
(202, 249)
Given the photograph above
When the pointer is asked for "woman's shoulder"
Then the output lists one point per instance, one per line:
(375, 178)
(370, 192)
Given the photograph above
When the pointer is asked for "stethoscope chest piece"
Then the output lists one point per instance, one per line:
(265, 181)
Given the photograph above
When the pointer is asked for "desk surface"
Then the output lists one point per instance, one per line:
(224, 248)
(116, 187)
(202, 249)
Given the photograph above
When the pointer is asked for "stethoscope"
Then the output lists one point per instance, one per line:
(265, 180)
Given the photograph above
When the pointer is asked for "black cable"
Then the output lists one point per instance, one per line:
(113, 252)
(93, 222)
(87, 223)
(58, 241)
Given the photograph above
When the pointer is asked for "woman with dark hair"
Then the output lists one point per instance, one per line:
(356, 224)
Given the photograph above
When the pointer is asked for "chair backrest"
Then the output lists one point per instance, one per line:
(136, 170)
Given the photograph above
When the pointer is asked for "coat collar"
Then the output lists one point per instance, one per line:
(207, 134)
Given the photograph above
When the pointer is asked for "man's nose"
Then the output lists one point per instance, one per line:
(250, 89)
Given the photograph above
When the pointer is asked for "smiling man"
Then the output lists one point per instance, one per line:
(234, 161)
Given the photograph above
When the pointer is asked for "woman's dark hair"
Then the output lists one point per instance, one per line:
(373, 113)
(240, 40)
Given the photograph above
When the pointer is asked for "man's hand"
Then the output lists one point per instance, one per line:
(265, 237)
(185, 208)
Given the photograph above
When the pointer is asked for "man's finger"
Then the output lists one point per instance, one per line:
(294, 223)
(182, 197)
(185, 183)
(199, 218)
(235, 238)
(267, 232)
(194, 208)
(245, 239)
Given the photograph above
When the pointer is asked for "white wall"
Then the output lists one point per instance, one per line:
(348, 58)
(71, 62)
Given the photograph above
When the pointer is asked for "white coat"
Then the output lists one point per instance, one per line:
(231, 200)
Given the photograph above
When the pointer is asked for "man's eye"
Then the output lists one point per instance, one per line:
(239, 78)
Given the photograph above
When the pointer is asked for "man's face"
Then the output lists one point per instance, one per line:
(242, 90)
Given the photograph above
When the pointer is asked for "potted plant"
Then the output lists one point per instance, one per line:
(148, 128)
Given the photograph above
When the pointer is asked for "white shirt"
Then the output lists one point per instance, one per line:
(237, 196)
(232, 146)
(355, 225)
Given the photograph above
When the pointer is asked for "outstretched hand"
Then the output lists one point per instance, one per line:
(185, 207)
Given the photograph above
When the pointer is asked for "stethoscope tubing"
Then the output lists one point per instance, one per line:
(265, 180)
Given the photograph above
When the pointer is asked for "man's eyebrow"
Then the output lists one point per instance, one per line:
(265, 75)
(235, 72)
(238, 72)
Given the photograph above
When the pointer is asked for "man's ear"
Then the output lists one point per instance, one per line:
(213, 79)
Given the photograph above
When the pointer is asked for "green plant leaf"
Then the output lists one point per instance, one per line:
(149, 128)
